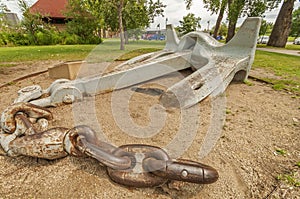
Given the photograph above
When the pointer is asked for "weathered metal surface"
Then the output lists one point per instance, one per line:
(183, 170)
(28, 93)
(47, 144)
(8, 123)
(130, 165)
(136, 175)
(149, 163)
(82, 139)
(215, 65)
(156, 66)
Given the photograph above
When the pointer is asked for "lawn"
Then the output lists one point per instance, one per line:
(288, 46)
(287, 67)
(107, 51)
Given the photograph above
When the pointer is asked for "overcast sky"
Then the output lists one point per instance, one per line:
(174, 11)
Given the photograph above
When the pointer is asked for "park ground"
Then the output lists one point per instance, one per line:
(257, 155)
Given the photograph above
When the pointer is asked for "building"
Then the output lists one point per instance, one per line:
(53, 12)
(10, 18)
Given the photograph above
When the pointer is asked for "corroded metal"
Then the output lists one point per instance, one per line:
(136, 175)
(82, 139)
(8, 122)
(183, 170)
(47, 144)
(130, 165)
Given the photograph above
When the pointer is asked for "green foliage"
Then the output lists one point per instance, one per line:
(222, 29)
(236, 9)
(19, 39)
(123, 15)
(265, 28)
(135, 13)
(82, 24)
(31, 23)
(295, 30)
(189, 23)
(34, 31)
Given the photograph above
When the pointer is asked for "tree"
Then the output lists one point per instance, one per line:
(282, 26)
(222, 29)
(189, 23)
(236, 9)
(295, 30)
(220, 18)
(31, 22)
(139, 14)
(214, 6)
(265, 28)
(122, 15)
(82, 23)
(3, 8)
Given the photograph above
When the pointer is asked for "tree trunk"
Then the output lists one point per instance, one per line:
(104, 33)
(235, 7)
(282, 26)
(231, 24)
(231, 30)
(126, 35)
(121, 28)
(220, 18)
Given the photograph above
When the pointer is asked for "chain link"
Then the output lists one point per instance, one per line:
(131, 165)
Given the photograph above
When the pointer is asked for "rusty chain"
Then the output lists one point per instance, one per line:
(131, 165)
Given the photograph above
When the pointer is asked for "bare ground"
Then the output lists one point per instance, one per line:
(259, 121)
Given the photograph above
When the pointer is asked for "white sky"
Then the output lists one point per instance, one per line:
(174, 11)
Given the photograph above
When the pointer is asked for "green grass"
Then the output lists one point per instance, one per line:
(7, 65)
(135, 53)
(34, 53)
(107, 51)
(290, 178)
(286, 67)
(247, 82)
(293, 47)
(288, 46)
(281, 151)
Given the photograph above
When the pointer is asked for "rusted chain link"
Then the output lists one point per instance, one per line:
(131, 165)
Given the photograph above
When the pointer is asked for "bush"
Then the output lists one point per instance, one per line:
(92, 40)
(69, 39)
(3, 39)
(44, 37)
(47, 37)
(19, 39)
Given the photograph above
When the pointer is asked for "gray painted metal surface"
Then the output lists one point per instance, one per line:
(215, 65)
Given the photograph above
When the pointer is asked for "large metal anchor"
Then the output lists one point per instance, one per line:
(215, 65)
(130, 165)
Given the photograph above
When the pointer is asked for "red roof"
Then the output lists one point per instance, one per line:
(52, 8)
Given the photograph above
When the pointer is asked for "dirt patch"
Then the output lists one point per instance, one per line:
(259, 121)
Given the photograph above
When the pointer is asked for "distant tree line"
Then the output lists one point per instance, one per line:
(286, 23)
(87, 21)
